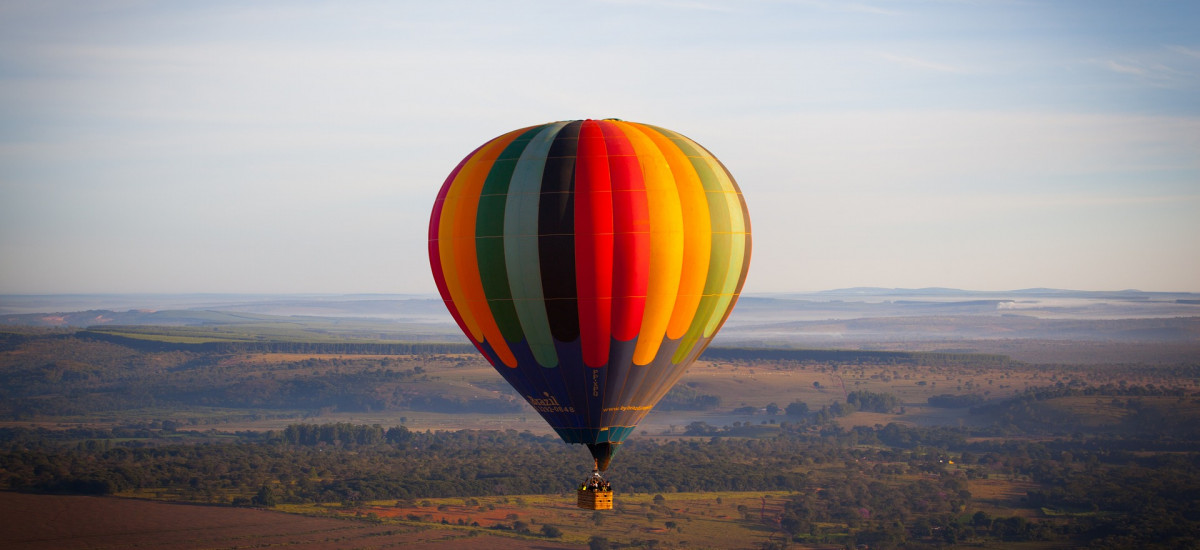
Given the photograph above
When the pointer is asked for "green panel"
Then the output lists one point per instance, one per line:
(718, 267)
(489, 238)
(731, 278)
(720, 212)
(521, 245)
(734, 265)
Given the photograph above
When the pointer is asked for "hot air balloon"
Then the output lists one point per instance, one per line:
(591, 262)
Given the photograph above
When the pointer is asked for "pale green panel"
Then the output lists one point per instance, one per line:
(521, 245)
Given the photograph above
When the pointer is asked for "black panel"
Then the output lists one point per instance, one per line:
(556, 235)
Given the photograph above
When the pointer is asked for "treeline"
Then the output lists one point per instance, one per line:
(885, 487)
(341, 434)
(143, 343)
(1068, 390)
(684, 397)
(856, 357)
(346, 463)
(1167, 415)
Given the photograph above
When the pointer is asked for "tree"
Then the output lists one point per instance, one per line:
(265, 497)
(551, 532)
(796, 408)
(598, 543)
(772, 408)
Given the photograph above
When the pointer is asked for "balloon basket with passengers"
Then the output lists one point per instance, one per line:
(595, 493)
(590, 262)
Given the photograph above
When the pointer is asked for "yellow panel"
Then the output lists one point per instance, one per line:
(666, 243)
(460, 264)
(697, 233)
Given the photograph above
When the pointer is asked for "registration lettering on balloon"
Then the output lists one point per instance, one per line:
(591, 262)
(547, 404)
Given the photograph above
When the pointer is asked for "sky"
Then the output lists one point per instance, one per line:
(292, 147)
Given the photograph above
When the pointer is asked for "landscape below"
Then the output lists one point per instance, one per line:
(921, 429)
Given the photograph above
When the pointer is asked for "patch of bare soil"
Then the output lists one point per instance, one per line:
(53, 522)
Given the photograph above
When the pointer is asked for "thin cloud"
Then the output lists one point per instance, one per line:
(866, 8)
(1168, 67)
(1154, 73)
(848, 7)
(1126, 68)
(698, 6)
(924, 64)
(1190, 52)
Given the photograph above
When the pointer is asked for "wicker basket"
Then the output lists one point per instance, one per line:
(591, 499)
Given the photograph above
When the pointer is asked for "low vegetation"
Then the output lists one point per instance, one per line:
(880, 486)
(865, 449)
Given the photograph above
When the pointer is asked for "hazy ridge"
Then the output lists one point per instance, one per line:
(850, 317)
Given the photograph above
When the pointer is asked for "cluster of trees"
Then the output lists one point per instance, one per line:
(872, 402)
(876, 511)
(342, 434)
(1148, 499)
(882, 486)
(1166, 414)
(344, 462)
(855, 401)
(910, 437)
(684, 397)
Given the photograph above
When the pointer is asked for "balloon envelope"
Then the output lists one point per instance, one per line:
(591, 262)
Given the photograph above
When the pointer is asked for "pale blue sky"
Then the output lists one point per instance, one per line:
(297, 147)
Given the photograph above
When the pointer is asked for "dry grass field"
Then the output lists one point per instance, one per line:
(709, 520)
(46, 522)
(681, 520)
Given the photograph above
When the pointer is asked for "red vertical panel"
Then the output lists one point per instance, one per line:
(631, 235)
(593, 244)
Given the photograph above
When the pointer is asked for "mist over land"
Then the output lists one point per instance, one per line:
(752, 308)
(926, 319)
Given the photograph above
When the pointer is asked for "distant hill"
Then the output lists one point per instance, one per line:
(855, 317)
